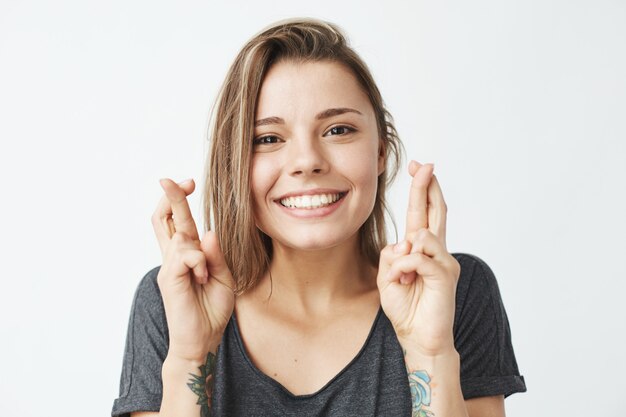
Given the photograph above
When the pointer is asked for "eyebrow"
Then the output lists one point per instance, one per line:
(320, 116)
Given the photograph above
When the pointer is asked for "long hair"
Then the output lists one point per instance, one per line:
(227, 193)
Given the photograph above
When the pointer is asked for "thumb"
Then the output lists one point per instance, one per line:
(216, 264)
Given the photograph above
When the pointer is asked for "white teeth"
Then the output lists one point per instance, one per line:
(310, 201)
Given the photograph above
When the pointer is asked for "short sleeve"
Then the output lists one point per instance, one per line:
(147, 341)
(482, 335)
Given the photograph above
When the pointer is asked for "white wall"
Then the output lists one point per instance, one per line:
(521, 105)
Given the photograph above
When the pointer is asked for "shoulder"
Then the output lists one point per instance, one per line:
(148, 289)
(476, 280)
(478, 300)
(149, 280)
(474, 267)
(147, 304)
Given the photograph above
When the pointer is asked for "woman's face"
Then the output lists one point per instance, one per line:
(316, 155)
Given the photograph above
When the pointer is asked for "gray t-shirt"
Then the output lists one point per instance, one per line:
(374, 383)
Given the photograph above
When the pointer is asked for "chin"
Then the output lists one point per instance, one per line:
(311, 241)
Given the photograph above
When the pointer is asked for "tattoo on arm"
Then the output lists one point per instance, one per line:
(202, 385)
(419, 383)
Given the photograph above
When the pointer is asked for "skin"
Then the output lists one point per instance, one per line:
(415, 281)
(305, 153)
(298, 303)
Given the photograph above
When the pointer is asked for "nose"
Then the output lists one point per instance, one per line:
(307, 156)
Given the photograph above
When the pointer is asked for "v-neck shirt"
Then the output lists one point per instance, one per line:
(374, 383)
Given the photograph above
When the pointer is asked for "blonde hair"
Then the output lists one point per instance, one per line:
(227, 193)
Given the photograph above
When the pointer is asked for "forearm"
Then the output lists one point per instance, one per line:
(188, 385)
(435, 383)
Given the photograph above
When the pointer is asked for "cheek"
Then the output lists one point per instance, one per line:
(363, 163)
(261, 179)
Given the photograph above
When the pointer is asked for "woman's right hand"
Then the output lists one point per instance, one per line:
(195, 282)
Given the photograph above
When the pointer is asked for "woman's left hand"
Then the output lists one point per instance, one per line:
(417, 277)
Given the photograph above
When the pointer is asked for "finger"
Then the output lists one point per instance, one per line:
(437, 210)
(162, 222)
(427, 243)
(417, 214)
(388, 255)
(418, 263)
(393, 251)
(184, 256)
(163, 212)
(179, 208)
(195, 260)
(216, 263)
(413, 167)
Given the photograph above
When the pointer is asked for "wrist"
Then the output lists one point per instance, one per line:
(435, 382)
(188, 384)
(449, 359)
(434, 347)
(176, 368)
(181, 354)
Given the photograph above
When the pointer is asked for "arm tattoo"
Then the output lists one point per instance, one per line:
(202, 385)
(419, 383)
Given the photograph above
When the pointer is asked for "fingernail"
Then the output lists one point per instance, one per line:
(184, 181)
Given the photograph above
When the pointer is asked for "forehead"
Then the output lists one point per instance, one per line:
(290, 88)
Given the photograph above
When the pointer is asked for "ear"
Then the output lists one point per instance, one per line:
(381, 157)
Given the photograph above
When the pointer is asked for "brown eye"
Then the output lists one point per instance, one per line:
(265, 140)
(341, 130)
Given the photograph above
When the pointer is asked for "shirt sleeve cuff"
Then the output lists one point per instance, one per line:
(123, 406)
(487, 386)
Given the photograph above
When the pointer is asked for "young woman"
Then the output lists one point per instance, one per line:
(294, 304)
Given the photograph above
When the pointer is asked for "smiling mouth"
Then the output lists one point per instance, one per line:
(311, 201)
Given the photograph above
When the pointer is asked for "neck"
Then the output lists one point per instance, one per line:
(315, 281)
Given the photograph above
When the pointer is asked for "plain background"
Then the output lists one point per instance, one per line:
(521, 106)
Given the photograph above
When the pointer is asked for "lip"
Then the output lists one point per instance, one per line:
(309, 213)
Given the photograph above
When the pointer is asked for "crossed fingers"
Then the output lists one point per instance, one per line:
(425, 234)
(173, 214)
(427, 208)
